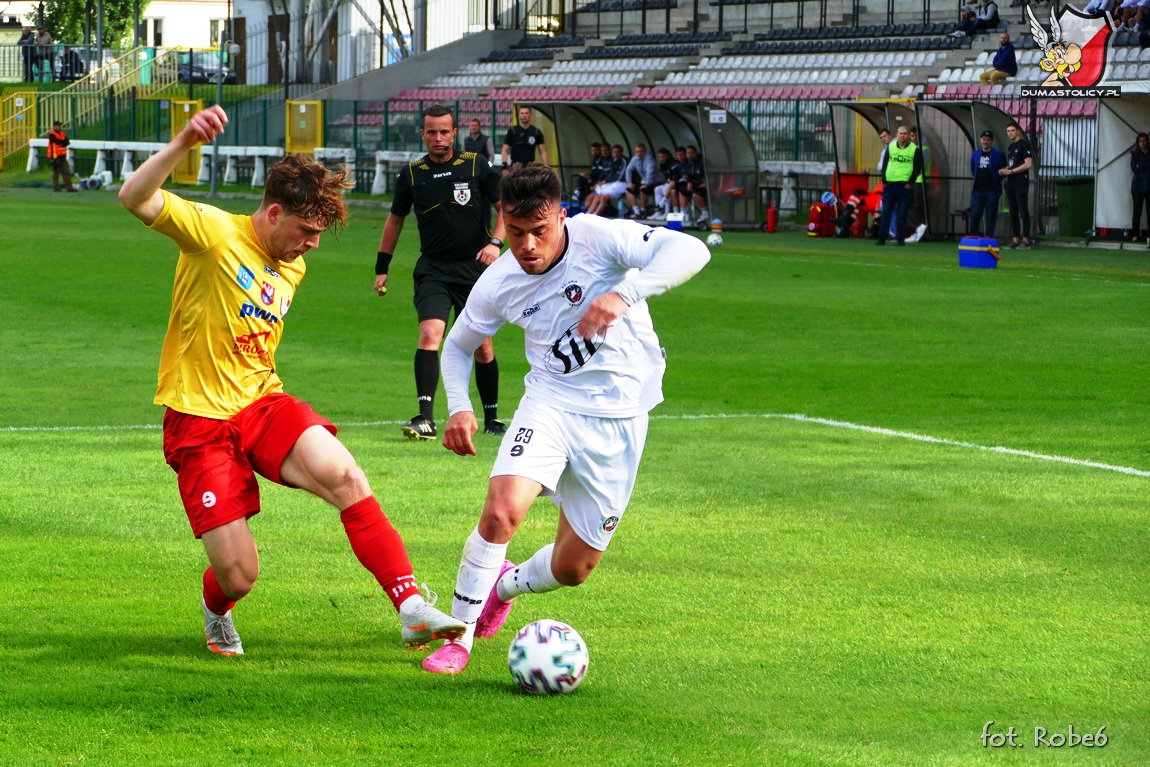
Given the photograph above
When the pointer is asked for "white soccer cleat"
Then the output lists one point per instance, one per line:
(221, 632)
(423, 623)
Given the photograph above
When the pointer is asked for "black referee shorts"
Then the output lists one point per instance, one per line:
(441, 286)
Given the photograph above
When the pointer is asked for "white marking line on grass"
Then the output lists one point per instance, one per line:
(786, 416)
(921, 438)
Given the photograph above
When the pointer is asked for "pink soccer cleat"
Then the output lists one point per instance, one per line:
(495, 610)
(449, 659)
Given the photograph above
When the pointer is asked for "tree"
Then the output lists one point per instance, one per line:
(71, 21)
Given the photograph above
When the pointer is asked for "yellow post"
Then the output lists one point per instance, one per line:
(188, 170)
(304, 126)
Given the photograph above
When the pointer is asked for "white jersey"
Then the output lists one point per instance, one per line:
(616, 375)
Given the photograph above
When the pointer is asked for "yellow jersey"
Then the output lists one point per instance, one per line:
(228, 306)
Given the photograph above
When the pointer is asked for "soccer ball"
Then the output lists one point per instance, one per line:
(547, 658)
(715, 240)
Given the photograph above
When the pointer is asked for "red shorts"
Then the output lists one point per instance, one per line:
(216, 461)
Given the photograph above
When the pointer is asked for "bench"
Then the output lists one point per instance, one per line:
(232, 155)
(128, 148)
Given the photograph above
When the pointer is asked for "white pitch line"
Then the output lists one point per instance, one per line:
(718, 416)
(924, 438)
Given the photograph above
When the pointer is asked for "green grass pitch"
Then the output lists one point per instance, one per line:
(887, 501)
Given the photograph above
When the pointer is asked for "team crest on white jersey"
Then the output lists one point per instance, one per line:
(462, 192)
(574, 293)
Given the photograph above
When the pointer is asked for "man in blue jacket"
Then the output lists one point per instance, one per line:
(1004, 65)
(985, 164)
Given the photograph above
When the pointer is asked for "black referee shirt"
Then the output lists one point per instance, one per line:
(452, 204)
(523, 142)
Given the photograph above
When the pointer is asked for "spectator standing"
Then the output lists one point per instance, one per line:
(1005, 63)
(452, 195)
(642, 175)
(902, 164)
(986, 162)
(58, 156)
(1019, 161)
(479, 143)
(44, 44)
(28, 54)
(227, 417)
(916, 213)
(522, 140)
(1140, 185)
(884, 136)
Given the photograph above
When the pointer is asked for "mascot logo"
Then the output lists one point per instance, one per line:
(1077, 53)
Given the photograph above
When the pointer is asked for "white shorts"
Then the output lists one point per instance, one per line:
(587, 464)
(614, 188)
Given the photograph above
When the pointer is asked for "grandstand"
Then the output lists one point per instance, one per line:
(776, 66)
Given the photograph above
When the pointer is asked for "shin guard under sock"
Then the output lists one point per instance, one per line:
(214, 597)
(379, 548)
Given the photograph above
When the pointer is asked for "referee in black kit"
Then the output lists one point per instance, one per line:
(452, 194)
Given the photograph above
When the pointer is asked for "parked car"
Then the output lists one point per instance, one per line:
(204, 67)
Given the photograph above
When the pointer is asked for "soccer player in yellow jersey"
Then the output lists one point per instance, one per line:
(227, 416)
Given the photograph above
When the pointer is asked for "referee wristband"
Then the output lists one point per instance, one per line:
(382, 262)
(496, 242)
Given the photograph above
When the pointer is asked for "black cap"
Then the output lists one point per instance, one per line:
(986, 134)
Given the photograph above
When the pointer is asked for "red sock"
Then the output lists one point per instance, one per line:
(379, 548)
(214, 597)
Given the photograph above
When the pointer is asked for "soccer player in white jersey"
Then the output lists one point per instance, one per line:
(578, 288)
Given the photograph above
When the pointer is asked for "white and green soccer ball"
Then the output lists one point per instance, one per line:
(547, 658)
(715, 240)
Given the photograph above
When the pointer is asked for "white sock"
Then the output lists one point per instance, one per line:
(532, 577)
(409, 604)
(478, 569)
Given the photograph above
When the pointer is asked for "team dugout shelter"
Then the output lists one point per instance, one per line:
(1119, 122)
(948, 133)
(723, 141)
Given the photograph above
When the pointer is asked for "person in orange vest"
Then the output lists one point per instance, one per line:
(58, 154)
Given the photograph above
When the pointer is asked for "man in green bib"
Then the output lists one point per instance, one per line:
(901, 165)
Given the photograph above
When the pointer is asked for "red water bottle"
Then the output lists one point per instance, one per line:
(772, 217)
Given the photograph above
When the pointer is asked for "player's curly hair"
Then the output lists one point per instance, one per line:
(527, 191)
(307, 189)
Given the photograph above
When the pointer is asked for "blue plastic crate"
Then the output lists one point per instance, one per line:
(978, 253)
